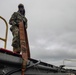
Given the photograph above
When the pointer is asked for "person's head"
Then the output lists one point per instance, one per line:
(21, 9)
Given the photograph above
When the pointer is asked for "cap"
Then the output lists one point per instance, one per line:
(20, 5)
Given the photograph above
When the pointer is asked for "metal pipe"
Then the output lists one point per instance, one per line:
(34, 64)
(5, 40)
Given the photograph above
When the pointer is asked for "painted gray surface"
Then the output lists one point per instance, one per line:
(10, 64)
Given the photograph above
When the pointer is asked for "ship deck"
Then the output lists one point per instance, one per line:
(11, 63)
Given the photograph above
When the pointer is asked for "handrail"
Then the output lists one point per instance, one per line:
(72, 60)
(5, 39)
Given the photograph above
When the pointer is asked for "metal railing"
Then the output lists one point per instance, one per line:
(71, 60)
(5, 39)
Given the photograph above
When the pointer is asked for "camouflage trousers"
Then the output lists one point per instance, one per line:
(16, 40)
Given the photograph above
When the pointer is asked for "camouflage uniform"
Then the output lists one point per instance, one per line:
(14, 20)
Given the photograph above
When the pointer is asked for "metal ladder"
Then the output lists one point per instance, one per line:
(5, 39)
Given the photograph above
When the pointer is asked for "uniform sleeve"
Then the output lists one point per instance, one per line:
(12, 20)
(25, 22)
(26, 25)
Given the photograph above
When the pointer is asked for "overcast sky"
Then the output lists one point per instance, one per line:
(51, 28)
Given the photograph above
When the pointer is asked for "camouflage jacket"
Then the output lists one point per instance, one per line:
(16, 18)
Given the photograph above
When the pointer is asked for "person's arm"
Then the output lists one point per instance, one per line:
(26, 25)
(12, 20)
(25, 22)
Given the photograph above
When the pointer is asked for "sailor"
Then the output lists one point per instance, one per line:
(14, 22)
